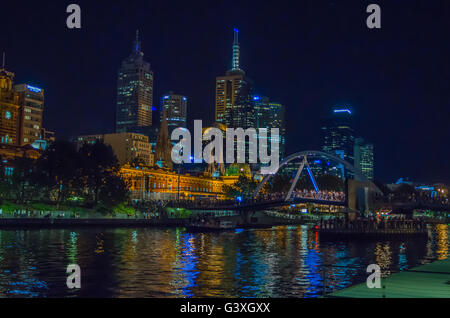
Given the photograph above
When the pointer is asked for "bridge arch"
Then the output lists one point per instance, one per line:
(302, 155)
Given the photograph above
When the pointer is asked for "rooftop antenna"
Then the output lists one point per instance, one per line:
(4, 56)
(236, 51)
(137, 40)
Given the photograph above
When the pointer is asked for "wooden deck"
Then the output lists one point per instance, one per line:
(425, 281)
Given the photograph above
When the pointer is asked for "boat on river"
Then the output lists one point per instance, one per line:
(212, 225)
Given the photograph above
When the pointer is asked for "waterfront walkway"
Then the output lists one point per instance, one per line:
(425, 281)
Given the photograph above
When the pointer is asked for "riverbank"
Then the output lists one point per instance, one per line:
(77, 222)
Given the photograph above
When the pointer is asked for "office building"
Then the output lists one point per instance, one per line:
(338, 135)
(129, 148)
(338, 138)
(31, 101)
(234, 105)
(134, 92)
(364, 158)
(271, 115)
(175, 107)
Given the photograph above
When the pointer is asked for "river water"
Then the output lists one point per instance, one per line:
(284, 261)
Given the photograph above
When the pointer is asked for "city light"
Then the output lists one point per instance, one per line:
(34, 89)
(343, 111)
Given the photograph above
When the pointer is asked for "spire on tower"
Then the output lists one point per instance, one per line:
(236, 37)
(3, 64)
(137, 44)
(236, 51)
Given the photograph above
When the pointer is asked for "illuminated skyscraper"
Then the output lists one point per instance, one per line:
(175, 107)
(234, 105)
(270, 115)
(31, 101)
(338, 138)
(364, 158)
(134, 92)
(338, 135)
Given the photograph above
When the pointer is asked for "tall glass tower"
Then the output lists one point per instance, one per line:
(364, 158)
(175, 107)
(234, 105)
(338, 138)
(134, 92)
(271, 115)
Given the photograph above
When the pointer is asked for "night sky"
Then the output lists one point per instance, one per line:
(308, 55)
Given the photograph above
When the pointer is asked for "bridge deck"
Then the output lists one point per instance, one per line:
(426, 281)
(271, 204)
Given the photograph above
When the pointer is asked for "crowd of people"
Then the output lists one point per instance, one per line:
(368, 224)
(307, 194)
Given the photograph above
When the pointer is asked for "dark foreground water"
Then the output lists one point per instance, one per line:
(279, 262)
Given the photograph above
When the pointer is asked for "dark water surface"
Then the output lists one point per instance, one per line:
(285, 261)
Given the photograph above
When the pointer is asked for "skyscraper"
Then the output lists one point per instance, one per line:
(234, 105)
(338, 135)
(175, 107)
(364, 158)
(270, 115)
(338, 139)
(31, 101)
(134, 92)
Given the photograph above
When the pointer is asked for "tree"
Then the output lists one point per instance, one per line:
(137, 162)
(23, 181)
(244, 188)
(58, 169)
(280, 183)
(114, 191)
(97, 162)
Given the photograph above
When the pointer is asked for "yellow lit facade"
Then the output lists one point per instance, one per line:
(163, 184)
(9, 110)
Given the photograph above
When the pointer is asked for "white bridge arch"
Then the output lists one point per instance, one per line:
(303, 155)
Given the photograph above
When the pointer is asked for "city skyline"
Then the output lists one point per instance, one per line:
(402, 150)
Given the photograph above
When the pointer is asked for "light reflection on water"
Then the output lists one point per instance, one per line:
(278, 262)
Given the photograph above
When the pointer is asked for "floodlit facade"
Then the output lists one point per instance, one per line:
(9, 110)
(163, 184)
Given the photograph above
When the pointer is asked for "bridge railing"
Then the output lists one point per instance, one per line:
(324, 196)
